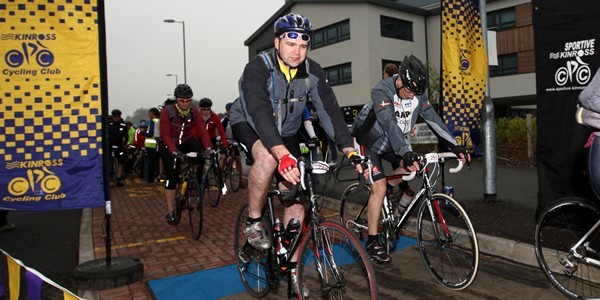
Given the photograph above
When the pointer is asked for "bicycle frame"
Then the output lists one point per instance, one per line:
(424, 194)
(578, 254)
(287, 195)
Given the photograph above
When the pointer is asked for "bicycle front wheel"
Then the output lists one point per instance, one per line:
(195, 207)
(573, 271)
(254, 266)
(235, 173)
(113, 171)
(353, 209)
(332, 264)
(180, 199)
(212, 186)
(447, 242)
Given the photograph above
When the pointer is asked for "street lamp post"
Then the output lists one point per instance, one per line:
(184, 64)
(176, 81)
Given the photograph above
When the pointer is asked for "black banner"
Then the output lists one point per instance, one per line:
(566, 60)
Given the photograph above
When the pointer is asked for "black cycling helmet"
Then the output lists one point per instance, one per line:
(228, 106)
(413, 74)
(183, 91)
(205, 103)
(292, 22)
(115, 113)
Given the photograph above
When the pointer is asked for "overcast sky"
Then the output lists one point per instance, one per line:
(142, 48)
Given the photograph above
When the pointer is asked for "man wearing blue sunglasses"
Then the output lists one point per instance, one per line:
(274, 89)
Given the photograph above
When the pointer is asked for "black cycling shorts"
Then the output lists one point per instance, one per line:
(246, 137)
(172, 174)
(378, 171)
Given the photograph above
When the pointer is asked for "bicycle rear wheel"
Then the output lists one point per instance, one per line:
(113, 171)
(353, 209)
(332, 264)
(254, 266)
(235, 173)
(447, 242)
(560, 227)
(195, 207)
(212, 187)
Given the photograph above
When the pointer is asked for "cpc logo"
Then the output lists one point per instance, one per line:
(464, 61)
(38, 181)
(16, 57)
(575, 70)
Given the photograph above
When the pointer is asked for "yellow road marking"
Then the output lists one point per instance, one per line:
(177, 238)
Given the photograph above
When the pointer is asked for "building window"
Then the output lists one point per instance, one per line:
(507, 65)
(396, 28)
(331, 34)
(340, 74)
(501, 19)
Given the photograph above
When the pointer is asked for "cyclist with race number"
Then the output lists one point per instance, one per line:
(213, 125)
(178, 121)
(382, 127)
(275, 87)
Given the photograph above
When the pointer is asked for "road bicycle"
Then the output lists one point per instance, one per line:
(139, 161)
(114, 164)
(567, 246)
(212, 182)
(188, 194)
(331, 262)
(233, 168)
(446, 238)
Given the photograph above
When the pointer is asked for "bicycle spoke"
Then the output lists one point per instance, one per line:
(335, 265)
(560, 227)
(447, 242)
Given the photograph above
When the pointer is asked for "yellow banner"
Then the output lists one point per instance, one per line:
(50, 104)
(464, 68)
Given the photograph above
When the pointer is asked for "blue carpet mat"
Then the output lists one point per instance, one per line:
(213, 283)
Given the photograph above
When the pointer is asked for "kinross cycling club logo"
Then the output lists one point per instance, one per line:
(37, 182)
(575, 72)
(28, 54)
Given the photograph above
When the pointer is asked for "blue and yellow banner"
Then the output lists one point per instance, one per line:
(50, 105)
(464, 69)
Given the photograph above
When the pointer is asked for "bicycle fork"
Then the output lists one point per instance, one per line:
(437, 218)
(323, 258)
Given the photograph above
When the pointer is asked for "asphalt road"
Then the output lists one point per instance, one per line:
(408, 279)
(47, 241)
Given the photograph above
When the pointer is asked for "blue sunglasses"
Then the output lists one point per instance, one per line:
(294, 35)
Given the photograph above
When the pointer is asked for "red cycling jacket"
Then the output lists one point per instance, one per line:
(171, 128)
(214, 122)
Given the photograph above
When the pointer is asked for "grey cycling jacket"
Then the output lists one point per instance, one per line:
(384, 135)
(273, 107)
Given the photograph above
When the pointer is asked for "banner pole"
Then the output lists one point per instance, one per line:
(488, 128)
(106, 273)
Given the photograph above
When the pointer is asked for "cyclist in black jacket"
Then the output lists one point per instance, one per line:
(274, 89)
(118, 136)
